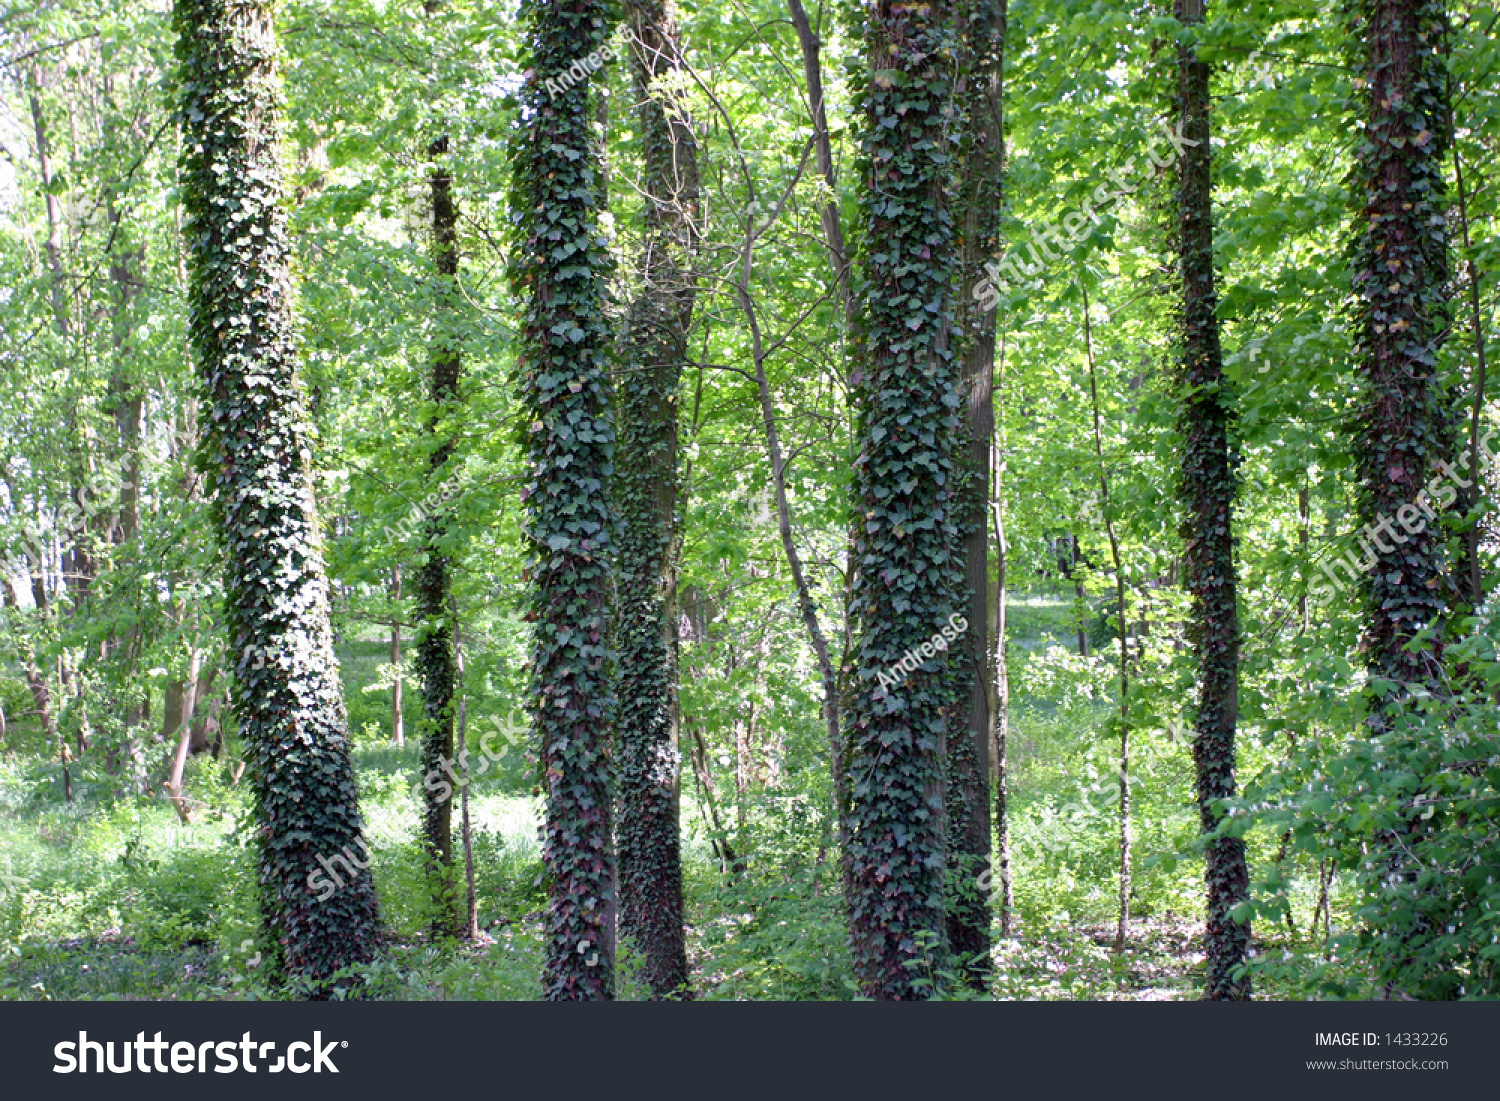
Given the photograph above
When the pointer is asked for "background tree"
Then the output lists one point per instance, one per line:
(646, 491)
(437, 663)
(971, 749)
(1207, 489)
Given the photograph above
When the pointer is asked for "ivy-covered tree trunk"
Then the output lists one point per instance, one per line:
(1207, 487)
(646, 491)
(564, 393)
(436, 662)
(286, 691)
(1410, 478)
(909, 581)
(1400, 274)
(969, 766)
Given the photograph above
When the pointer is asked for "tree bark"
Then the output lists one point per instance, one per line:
(435, 660)
(1407, 443)
(1400, 287)
(910, 580)
(564, 393)
(1207, 488)
(969, 767)
(183, 731)
(647, 492)
(287, 695)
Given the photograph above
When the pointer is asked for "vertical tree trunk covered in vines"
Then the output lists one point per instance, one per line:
(1410, 478)
(1207, 487)
(972, 738)
(286, 691)
(435, 659)
(647, 487)
(1401, 270)
(907, 543)
(564, 394)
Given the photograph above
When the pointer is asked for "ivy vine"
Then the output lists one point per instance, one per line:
(258, 462)
(1401, 269)
(560, 272)
(907, 538)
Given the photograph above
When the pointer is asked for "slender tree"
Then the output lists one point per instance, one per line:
(257, 456)
(1000, 759)
(969, 749)
(833, 225)
(564, 391)
(647, 488)
(398, 703)
(1106, 502)
(909, 580)
(1207, 488)
(436, 663)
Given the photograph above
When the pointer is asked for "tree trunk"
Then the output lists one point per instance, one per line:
(828, 213)
(471, 893)
(969, 766)
(187, 698)
(1408, 422)
(647, 491)
(1106, 506)
(564, 388)
(1400, 285)
(398, 682)
(1207, 489)
(197, 715)
(435, 662)
(910, 579)
(53, 244)
(287, 695)
(1081, 595)
(1001, 665)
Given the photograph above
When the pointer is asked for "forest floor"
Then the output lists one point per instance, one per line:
(1163, 961)
(113, 897)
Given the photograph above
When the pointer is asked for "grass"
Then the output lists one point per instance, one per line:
(114, 897)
